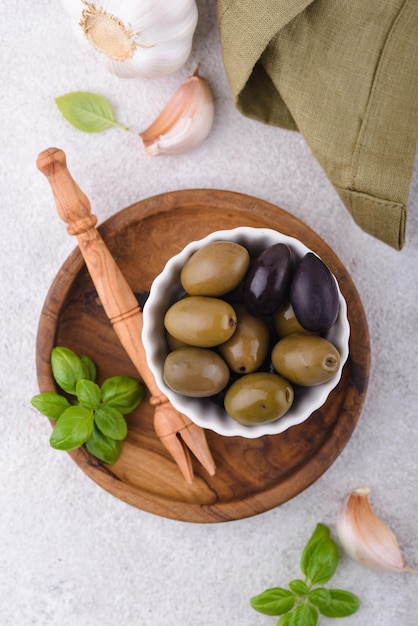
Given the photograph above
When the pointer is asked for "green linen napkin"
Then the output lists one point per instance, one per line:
(345, 74)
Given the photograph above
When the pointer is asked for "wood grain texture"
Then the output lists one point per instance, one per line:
(252, 475)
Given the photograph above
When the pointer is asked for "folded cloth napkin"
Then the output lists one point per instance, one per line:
(345, 74)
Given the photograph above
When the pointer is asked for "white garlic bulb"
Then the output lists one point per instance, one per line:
(147, 38)
(365, 537)
(185, 121)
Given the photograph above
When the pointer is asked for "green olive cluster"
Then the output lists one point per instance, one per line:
(248, 330)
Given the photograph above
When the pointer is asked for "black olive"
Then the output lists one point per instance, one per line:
(268, 280)
(314, 294)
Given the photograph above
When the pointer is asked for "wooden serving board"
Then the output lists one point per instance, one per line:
(252, 475)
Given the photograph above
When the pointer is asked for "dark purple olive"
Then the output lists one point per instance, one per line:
(314, 294)
(267, 283)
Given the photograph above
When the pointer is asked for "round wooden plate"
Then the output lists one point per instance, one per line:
(252, 475)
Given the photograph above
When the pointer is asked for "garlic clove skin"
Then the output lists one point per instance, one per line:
(185, 121)
(365, 538)
(139, 38)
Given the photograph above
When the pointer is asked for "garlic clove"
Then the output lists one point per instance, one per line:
(185, 121)
(365, 537)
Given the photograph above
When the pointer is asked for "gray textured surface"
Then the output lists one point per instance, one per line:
(71, 554)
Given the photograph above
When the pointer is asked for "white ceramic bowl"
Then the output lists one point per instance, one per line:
(166, 289)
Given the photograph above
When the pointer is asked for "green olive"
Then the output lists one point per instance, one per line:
(305, 360)
(195, 372)
(286, 323)
(201, 321)
(215, 269)
(258, 398)
(246, 350)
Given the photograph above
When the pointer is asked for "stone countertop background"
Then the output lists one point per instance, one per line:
(73, 555)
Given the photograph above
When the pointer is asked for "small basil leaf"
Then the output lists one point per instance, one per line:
(320, 533)
(91, 371)
(324, 562)
(299, 587)
(72, 429)
(88, 393)
(320, 557)
(67, 368)
(304, 615)
(320, 597)
(103, 448)
(274, 601)
(122, 393)
(50, 404)
(111, 422)
(342, 603)
(87, 111)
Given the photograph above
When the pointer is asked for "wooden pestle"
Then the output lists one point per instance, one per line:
(119, 303)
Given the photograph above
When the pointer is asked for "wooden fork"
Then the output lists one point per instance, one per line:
(175, 430)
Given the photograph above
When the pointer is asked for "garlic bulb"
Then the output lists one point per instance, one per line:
(184, 122)
(365, 537)
(148, 38)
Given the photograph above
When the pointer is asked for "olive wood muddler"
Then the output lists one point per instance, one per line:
(122, 309)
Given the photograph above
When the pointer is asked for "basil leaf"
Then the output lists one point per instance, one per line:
(111, 422)
(90, 367)
(72, 429)
(87, 111)
(341, 604)
(273, 601)
(103, 448)
(122, 393)
(50, 404)
(320, 597)
(320, 533)
(324, 562)
(299, 587)
(67, 368)
(88, 393)
(304, 615)
(320, 556)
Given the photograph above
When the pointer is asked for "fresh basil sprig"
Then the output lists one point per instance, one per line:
(87, 111)
(95, 416)
(299, 605)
